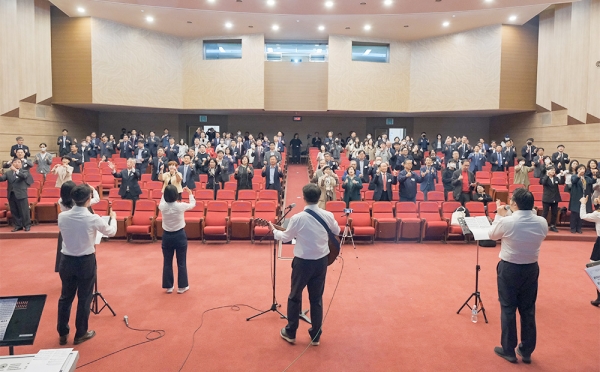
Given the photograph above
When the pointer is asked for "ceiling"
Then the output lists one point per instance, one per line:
(300, 19)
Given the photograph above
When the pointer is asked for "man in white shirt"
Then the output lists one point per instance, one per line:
(595, 218)
(77, 270)
(309, 266)
(522, 234)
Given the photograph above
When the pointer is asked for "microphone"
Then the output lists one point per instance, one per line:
(126, 319)
(291, 206)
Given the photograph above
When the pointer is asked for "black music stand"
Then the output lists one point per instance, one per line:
(476, 294)
(24, 322)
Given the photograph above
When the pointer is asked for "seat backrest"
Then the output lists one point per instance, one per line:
(246, 195)
(123, 205)
(335, 206)
(565, 196)
(32, 194)
(536, 188)
(435, 196)
(265, 206)
(101, 206)
(145, 205)
(268, 195)
(156, 194)
(113, 194)
(482, 175)
(50, 193)
(77, 178)
(369, 194)
(142, 218)
(205, 195)
(429, 207)
(144, 194)
(216, 213)
(146, 177)
(230, 186)
(153, 185)
(94, 177)
(382, 209)
(217, 206)
(498, 182)
(91, 170)
(225, 195)
(537, 196)
(475, 208)
(360, 207)
(514, 186)
(406, 207)
(449, 207)
(241, 208)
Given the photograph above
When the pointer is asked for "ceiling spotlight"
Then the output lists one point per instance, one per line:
(446, 24)
(210, 1)
(270, 2)
(329, 4)
(321, 28)
(513, 18)
(228, 25)
(367, 27)
(388, 2)
(150, 19)
(489, 1)
(275, 27)
(81, 10)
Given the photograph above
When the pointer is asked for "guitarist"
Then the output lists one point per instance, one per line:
(309, 266)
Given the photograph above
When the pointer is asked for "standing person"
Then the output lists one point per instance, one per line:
(560, 158)
(447, 175)
(130, 188)
(528, 152)
(183, 147)
(43, 159)
(75, 159)
(499, 163)
(327, 183)
(213, 171)
(382, 183)
(19, 180)
(158, 164)
(581, 186)
(174, 240)
(551, 196)
(223, 163)
(595, 218)
(64, 143)
(171, 177)
(172, 150)
(538, 163)
(201, 159)
(352, 186)
(463, 181)
(429, 177)
(477, 159)
(243, 174)
(521, 176)
(77, 270)
(423, 142)
(296, 148)
(152, 143)
(408, 182)
(66, 203)
(309, 267)
(63, 171)
(94, 145)
(187, 173)
(125, 148)
(142, 155)
(19, 146)
(106, 148)
(317, 141)
(522, 234)
(272, 174)
(111, 146)
(165, 138)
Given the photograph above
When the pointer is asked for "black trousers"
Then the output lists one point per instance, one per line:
(596, 250)
(141, 167)
(311, 274)
(78, 275)
(384, 196)
(58, 253)
(575, 222)
(128, 196)
(554, 208)
(19, 209)
(464, 197)
(517, 289)
(174, 242)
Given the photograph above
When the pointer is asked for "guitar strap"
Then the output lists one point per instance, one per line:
(330, 234)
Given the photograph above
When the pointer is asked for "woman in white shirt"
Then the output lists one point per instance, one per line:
(174, 240)
(66, 203)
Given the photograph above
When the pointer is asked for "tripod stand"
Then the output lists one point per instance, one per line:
(478, 303)
(274, 304)
(347, 234)
(95, 301)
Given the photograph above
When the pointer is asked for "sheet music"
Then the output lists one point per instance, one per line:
(49, 360)
(479, 226)
(594, 274)
(7, 307)
(99, 235)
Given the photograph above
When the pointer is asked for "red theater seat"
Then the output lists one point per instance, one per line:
(101, 208)
(337, 208)
(46, 209)
(240, 220)
(193, 221)
(267, 210)
(410, 224)
(142, 222)
(124, 209)
(360, 220)
(216, 220)
(434, 227)
(384, 222)
(447, 209)
(475, 208)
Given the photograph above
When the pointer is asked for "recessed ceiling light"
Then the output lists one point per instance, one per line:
(81, 10)
(269, 50)
(211, 1)
(367, 27)
(453, 15)
(489, 1)
(228, 25)
(446, 24)
(388, 2)
(329, 4)
(321, 28)
(150, 19)
(275, 27)
(513, 18)
(270, 2)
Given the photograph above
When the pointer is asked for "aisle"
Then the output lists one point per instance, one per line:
(297, 177)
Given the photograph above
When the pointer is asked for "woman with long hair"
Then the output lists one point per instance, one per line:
(370, 149)
(352, 186)
(174, 240)
(183, 148)
(213, 171)
(243, 174)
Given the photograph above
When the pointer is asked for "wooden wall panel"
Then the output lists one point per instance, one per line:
(9, 83)
(71, 58)
(295, 86)
(560, 54)
(518, 70)
(26, 48)
(593, 99)
(43, 59)
(578, 58)
(545, 59)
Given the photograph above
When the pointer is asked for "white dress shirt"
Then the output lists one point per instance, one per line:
(95, 200)
(173, 213)
(78, 228)
(311, 238)
(591, 217)
(521, 234)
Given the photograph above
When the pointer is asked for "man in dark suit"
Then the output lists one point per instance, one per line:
(259, 155)
(463, 148)
(382, 183)
(477, 159)
(362, 167)
(20, 155)
(19, 146)
(125, 148)
(152, 143)
(509, 154)
(497, 160)
(272, 174)
(528, 152)
(560, 158)
(165, 138)
(238, 149)
(316, 141)
(18, 181)
(157, 161)
(76, 159)
(448, 149)
(463, 181)
(408, 182)
(94, 145)
(216, 141)
(201, 160)
(64, 143)
(172, 151)
(187, 172)
(539, 168)
(551, 196)
(133, 138)
(142, 156)
(130, 188)
(106, 148)
(85, 149)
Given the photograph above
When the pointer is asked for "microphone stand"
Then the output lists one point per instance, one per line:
(274, 304)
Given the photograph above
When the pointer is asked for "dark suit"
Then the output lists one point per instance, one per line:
(189, 177)
(17, 196)
(275, 183)
(156, 163)
(145, 158)
(238, 150)
(352, 190)
(76, 161)
(200, 163)
(447, 150)
(377, 186)
(94, 147)
(539, 168)
(172, 152)
(152, 145)
(126, 150)
(560, 160)
(259, 157)
(408, 185)
(458, 193)
(363, 171)
(14, 148)
(463, 150)
(509, 157)
(64, 145)
(477, 162)
(498, 161)
(551, 196)
(578, 191)
(130, 188)
(528, 155)
(106, 149)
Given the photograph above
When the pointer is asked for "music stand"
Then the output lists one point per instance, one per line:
(476, 294)
(23, 324)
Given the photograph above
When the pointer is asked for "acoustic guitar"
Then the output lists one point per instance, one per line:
(334, 245)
